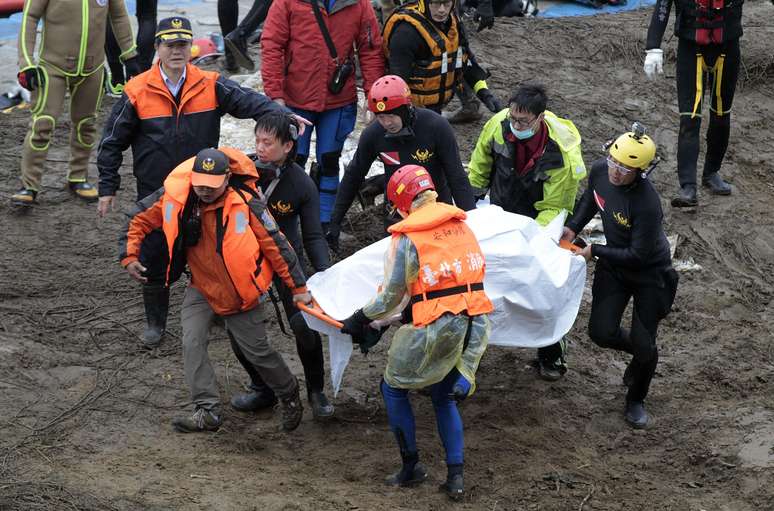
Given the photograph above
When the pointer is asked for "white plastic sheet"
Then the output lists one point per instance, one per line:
(536, 287)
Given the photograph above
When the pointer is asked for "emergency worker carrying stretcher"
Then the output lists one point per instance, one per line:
(436, 267)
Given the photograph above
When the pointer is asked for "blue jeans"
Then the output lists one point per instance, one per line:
(401, 417)
(332, 127)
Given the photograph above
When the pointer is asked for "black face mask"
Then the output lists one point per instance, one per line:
(267, 170)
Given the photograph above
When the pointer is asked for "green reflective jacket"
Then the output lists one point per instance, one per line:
(548, 188)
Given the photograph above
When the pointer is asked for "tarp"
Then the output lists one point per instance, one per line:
(536, 287)
(570, 8)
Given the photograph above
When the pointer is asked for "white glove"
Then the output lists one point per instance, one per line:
(654, 63)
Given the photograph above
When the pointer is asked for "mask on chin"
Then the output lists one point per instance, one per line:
(522, 134)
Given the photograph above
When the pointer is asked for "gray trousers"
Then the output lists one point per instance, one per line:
(248, 331)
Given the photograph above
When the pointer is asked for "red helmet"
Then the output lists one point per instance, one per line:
(388, 93)
(406, 183)
(202, 47)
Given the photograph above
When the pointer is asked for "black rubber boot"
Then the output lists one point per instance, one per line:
(628, 376)
(321, 407)
(716, 184)
(454, 487)
(686, 197)
(411, 473)
(156, 299)
(230, 65)
(636, 415)
(237, 44)
(259, 398)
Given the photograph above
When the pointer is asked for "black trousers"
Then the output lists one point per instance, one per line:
(653, 291)
(308, 344)
(228, 15)
(712, 69)
(146, 31)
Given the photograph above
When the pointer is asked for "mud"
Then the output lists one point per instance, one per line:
(85, 413)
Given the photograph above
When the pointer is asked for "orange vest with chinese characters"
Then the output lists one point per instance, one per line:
(451, 264)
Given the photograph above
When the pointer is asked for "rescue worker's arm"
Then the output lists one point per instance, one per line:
(448, 152)
(401, 268)
(405, 43)
(482, 159)
(241, 102)
(275, 247)
(658, 24)
(273, 47)
(122, 28)
(646, 227)
(561, 188)
(311, 230)
(33, 11)
(369, 46)
(145, 216)
(117, 136)
(585, 211)
(356, 171)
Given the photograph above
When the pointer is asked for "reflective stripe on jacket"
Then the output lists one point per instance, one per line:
(238, 251)
(451, 264)
(432, 82)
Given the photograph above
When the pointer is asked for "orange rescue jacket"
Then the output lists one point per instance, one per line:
(238, 251)
(451, 264)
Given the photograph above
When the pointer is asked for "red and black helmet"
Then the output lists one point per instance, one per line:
(388, 93)
(406, 183)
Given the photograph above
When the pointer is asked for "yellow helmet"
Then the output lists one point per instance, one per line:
(634, 148)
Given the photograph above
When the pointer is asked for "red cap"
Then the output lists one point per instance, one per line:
(406, 183)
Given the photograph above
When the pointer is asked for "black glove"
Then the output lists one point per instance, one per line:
(332, 236)
(357, 325)
(489, 100)
(485, 22)
(31, 78)
(132, 67)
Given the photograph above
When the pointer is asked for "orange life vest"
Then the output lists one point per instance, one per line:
(451, 264)
(250, 272)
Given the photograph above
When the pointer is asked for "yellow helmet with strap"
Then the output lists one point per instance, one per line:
(634, 149)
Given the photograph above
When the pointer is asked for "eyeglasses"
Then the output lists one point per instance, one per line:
(621, 169)
(521, 123)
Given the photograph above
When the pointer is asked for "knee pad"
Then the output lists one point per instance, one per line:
(85, 132)
(689, 125)
(41, 130)
(330, 164)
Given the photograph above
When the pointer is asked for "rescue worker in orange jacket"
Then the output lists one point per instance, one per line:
(214, 223)
(167, 115)
(435, 261)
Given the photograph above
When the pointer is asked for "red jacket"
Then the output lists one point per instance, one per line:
(295, 63)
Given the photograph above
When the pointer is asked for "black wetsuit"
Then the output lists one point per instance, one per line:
(295, 203)
(228, 15)
(432, 145)
(710, 40)
(635, 262)
(146, 31)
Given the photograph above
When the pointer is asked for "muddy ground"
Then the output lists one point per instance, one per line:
(85, 413)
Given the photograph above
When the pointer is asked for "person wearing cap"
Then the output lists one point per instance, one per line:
(167, 115)
(530, 161)
(293, 201)
(300, 70)
(435, 259)
(634, 263)
(69, 60)
(402, 135)
(214, 222)
(426, 45)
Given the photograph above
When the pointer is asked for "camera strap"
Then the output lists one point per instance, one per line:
(326, 35)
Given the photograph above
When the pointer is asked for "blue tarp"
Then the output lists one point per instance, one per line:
(570, 8)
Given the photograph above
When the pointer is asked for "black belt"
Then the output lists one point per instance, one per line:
(457, 290)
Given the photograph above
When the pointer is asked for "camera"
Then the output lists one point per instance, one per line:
(340, 76)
